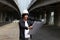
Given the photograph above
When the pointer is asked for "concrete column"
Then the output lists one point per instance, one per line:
(59, 20)
(51, 20)
(1, 17)
(57, 15)
(40, 17)
(47, 17)
(5, 15)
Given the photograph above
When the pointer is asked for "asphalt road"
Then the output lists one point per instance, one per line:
(47, 33)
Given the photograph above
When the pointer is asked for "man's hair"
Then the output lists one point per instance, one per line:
(24, 15)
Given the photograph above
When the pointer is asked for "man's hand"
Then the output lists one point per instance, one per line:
(30, 27)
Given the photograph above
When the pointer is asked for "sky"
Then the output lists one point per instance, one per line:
(23, 4)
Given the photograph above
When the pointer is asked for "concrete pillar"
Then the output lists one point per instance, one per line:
(47, 17)
(40, 17)
(59, 20)
(1, 17)
(51, 20)
(57, 15)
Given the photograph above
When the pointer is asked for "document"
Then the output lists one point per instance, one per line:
(36, 27)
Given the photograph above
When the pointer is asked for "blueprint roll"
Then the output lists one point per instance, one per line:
(36, 26)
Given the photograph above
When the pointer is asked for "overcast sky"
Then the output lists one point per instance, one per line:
(23, 4)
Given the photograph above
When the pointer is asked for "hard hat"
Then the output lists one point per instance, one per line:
(25, 11)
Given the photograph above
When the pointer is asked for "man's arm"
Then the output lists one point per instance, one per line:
(22, 26)
(31, 23)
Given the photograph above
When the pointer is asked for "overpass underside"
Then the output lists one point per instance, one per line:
(49, 12)
(8, 11)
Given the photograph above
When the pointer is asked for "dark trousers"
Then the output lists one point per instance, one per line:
(25, 38)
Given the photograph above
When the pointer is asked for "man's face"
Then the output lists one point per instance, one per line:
(26, 17)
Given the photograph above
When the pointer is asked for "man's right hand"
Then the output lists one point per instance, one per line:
(30, 27)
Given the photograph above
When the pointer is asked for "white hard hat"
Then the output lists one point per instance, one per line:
(25, 11)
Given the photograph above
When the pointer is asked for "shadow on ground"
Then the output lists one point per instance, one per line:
(47, 33)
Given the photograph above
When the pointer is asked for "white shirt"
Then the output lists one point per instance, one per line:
(27, 35)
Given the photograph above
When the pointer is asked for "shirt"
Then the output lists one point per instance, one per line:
(27, 35)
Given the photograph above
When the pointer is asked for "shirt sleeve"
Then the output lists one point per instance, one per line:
(22, 26)
(31, 23)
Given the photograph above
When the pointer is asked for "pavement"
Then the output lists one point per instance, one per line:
(9, 32)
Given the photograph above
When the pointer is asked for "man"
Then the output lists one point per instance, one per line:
(25, 25)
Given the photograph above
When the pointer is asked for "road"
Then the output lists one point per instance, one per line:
(47, 33)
